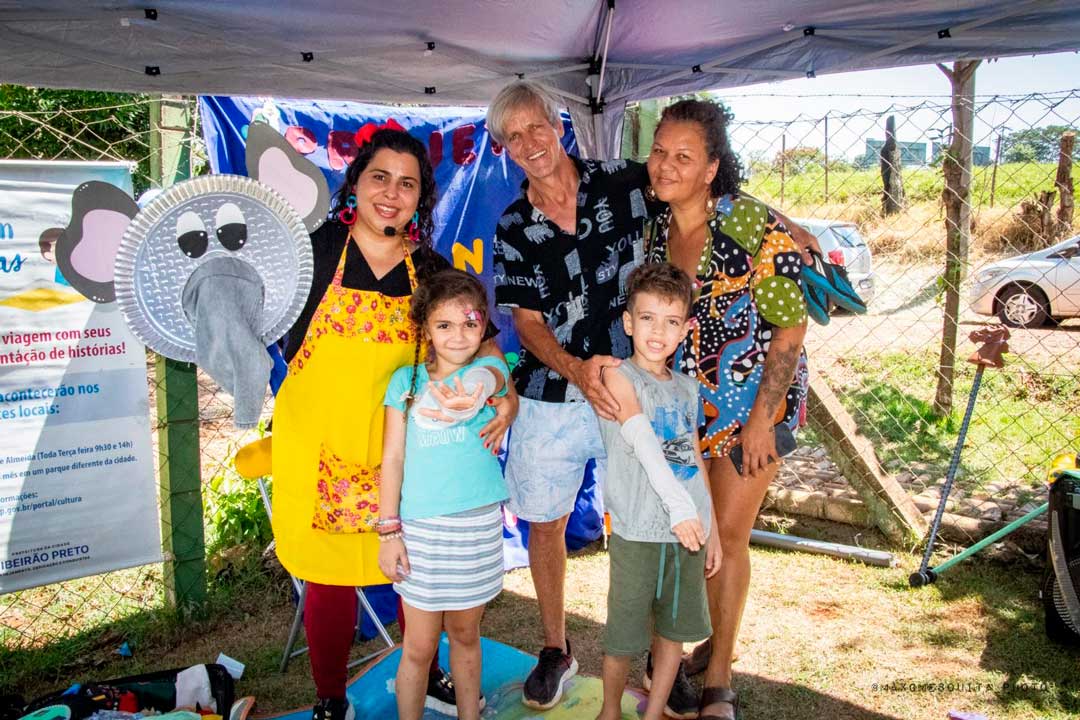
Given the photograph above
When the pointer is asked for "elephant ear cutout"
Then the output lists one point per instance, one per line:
(275, 163)
(86, 250)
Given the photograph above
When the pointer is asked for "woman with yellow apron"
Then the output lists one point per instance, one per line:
(353, 333)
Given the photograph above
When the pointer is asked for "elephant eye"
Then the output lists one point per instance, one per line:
(231, 228)
(191, 235)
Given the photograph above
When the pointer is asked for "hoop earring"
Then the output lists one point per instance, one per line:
(348, 213)
(413, 228)
(650, 193)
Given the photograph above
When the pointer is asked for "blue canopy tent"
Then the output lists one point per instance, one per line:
(597, 55)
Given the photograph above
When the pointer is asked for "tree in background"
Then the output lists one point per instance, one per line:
(1033, 145)
(43, 124)
(799, 159)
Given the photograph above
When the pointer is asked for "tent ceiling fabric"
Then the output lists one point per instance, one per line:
(460, 52)
(377, 51)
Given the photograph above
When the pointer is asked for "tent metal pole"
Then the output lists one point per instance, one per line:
(563, 94)
(603, 59)
(879, 558)
(555, 71)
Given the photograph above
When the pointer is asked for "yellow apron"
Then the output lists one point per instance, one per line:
(331, 403)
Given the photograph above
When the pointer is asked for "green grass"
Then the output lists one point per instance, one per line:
(821, 638)
(1015, 182)
(1023, 416)
(239, 592)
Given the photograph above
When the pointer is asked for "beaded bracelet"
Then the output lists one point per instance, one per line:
(389, 528)
(387, 537)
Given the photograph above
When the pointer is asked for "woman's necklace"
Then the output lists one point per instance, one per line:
(704, 262)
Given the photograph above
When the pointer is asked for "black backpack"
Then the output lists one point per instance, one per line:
(1060, 591)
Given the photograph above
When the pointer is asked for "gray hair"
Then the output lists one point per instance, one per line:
(516, 95)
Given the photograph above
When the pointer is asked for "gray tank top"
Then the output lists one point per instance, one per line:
(673, 409)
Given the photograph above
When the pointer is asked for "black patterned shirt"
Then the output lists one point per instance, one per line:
(577, 281)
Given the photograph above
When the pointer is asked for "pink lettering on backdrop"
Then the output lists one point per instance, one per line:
(462, 140)
(302, 139)
(435, 148)
(340, 148)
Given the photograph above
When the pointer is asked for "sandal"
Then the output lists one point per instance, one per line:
(713, 695)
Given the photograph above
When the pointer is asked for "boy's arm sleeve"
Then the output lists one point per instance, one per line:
(639, 434)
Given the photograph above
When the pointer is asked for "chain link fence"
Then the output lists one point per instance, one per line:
(58, 125)
(883, 365)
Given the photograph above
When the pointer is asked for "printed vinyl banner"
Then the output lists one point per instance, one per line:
(475, 178)
(476, 181)
(77, 489)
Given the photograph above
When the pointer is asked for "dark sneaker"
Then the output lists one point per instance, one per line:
(545, 684)
(440, 695)
(682, 703)
(332, 709)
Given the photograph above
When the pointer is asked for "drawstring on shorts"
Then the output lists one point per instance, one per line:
(660, 577)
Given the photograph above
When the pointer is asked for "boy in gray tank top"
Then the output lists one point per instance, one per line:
(664, 541)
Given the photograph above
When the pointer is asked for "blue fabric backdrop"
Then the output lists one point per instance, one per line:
(476, 181)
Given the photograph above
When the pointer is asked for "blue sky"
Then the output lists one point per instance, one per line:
(869, 93)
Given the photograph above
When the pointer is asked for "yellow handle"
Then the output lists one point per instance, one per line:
(253, 460)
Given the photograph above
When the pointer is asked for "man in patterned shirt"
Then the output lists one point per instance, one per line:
(563, 251)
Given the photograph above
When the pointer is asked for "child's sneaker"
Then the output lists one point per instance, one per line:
(545, 684)
(682, 703)
(441, 696)
(333, 709)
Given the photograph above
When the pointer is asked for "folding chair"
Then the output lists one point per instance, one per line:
(252, 462)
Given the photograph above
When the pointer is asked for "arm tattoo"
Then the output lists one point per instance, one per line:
(780, 365)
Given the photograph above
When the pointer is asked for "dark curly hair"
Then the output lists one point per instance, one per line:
(443, 286)
(713, 119)
(402, 142)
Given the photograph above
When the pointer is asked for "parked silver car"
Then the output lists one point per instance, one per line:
(1026, 290)
(843, 245)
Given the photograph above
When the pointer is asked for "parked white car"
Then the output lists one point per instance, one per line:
(1026, 290)
(843, 245)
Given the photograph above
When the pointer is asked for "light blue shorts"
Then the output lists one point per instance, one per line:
(550, 445)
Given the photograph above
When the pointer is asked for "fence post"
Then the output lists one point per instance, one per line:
(783, 166)
(826, 159)
(993, 172)
(1064, 184)
(178, 399)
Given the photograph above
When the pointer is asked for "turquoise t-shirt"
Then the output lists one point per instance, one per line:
(447, 469)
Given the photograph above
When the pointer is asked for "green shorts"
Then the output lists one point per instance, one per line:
(678, 612)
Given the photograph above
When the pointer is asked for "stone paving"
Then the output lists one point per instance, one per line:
(810, 484)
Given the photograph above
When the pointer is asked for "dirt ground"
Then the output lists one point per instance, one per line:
(905, 315)
(821, 639)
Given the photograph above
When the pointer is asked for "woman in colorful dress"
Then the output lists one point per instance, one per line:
(749, 323)
(353, 333)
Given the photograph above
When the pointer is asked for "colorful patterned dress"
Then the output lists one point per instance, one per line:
(748, 283)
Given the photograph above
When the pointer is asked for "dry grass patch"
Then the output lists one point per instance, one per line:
(821, 638)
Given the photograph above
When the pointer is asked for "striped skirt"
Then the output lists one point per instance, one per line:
(456, 560)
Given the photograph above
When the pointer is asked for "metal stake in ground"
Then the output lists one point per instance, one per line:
(994, 344)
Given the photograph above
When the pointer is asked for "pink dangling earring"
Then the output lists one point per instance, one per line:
(414, 228)
(348, 213)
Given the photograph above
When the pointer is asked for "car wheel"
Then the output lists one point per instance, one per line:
(1023, 307)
